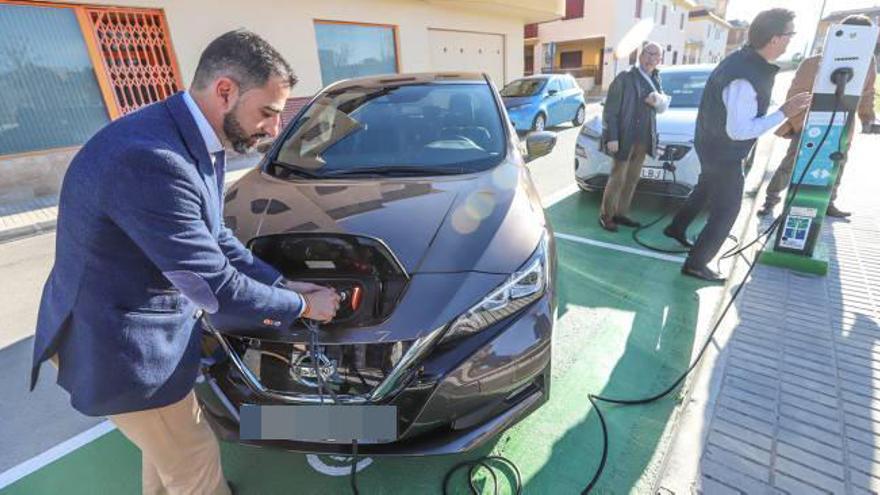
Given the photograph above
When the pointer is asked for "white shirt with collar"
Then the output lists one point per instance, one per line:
(741, 101)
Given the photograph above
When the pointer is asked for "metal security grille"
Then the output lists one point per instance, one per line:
(138, 58)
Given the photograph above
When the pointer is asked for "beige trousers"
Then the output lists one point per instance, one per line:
(179, 453)
(622, 183)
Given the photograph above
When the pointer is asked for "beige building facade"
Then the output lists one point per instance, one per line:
(104, 74)
(583, 43)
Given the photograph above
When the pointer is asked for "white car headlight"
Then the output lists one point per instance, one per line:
(592, 128)
(524, 287)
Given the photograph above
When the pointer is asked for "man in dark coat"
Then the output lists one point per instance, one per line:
(629, 133)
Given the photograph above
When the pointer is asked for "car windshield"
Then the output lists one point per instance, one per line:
(524, 87)
(685, 88)
(411, 129)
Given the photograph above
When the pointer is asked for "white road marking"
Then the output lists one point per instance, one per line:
(62, 449)
(559, 195)
(619, 248)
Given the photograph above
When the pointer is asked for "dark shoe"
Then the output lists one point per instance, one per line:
(832, 211)
(626, 221)
(704, 273)
(232, 488)
(765, 210)
(607, 224)
(678, 236)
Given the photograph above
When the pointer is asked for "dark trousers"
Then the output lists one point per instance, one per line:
(719, 189)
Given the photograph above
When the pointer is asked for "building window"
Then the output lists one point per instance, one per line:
(663, 16)
(574, 9)
(137, 55)
(571, 60)
(64, 73)
(355, 50)
(675, 57)
(51, 97)
(638, 9)
(681, 22)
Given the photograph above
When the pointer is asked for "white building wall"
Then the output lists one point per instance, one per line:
(713, 37)
(612, 20)
(289, 27)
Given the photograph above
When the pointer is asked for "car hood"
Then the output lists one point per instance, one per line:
(488, 222)
(514, 101)
(677, 124)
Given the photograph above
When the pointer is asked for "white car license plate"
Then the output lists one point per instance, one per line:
(327, 423)
(654, 173)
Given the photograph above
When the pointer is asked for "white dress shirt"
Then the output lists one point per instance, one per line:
(741, 102)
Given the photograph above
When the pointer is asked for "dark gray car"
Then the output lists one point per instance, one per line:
(408, 194)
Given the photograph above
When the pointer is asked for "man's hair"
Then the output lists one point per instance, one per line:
(650, 43)
(244, 57)
(768, 24)
(857, 20)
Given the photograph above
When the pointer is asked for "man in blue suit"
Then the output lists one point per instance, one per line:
(142, 251)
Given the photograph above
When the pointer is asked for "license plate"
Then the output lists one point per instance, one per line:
(655, 173)
(319, 423)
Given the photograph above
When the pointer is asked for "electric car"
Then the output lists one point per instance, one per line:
(675, 168)
(408, 195)
(536, 102)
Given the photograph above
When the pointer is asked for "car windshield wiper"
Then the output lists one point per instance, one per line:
(398, 170)
(301, 172)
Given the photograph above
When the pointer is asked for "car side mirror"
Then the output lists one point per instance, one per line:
(539, 144)
(551, 92)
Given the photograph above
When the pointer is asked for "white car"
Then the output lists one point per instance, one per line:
(675, 168)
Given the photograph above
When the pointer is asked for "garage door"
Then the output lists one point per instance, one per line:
(463, 51)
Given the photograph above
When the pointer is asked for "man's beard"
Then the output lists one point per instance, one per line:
(241, 141)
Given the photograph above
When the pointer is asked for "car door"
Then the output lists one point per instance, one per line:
(554, 102)
(573, 96)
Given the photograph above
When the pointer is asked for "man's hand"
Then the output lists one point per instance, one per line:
(797, 104)
(321, 305)
(612, 146)
(322, 302)
(651, 99)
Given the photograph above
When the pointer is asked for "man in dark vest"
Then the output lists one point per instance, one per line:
(732, 115)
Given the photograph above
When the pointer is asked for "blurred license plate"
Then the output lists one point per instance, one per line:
(319, 423)
(655, 173)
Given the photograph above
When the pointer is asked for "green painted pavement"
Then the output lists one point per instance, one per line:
(626, 329)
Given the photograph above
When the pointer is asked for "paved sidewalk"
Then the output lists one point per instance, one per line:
(39, 215)
(790, 402)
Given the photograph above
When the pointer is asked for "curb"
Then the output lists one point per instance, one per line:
(47, 226)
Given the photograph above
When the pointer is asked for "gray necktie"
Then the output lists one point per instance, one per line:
(220, 171)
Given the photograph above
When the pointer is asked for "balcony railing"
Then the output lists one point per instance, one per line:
(576, 72)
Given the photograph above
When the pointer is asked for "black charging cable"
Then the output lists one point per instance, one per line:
(670, 167)
(595, 399)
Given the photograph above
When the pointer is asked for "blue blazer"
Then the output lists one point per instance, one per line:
(141, 248)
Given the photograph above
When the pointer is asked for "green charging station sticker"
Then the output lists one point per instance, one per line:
(822, 166)
(797, 228)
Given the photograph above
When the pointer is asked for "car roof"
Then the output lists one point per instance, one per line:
(668, 69)
(410, 78)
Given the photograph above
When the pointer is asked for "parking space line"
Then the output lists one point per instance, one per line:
(42, 460)
(619, 248)
(559, 195)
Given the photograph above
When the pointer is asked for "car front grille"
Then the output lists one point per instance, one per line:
(352, 370)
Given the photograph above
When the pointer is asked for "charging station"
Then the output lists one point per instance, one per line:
(845, 63)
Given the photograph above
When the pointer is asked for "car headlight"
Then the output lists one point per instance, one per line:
(580, 151)
(524, 287)
(592, 128)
